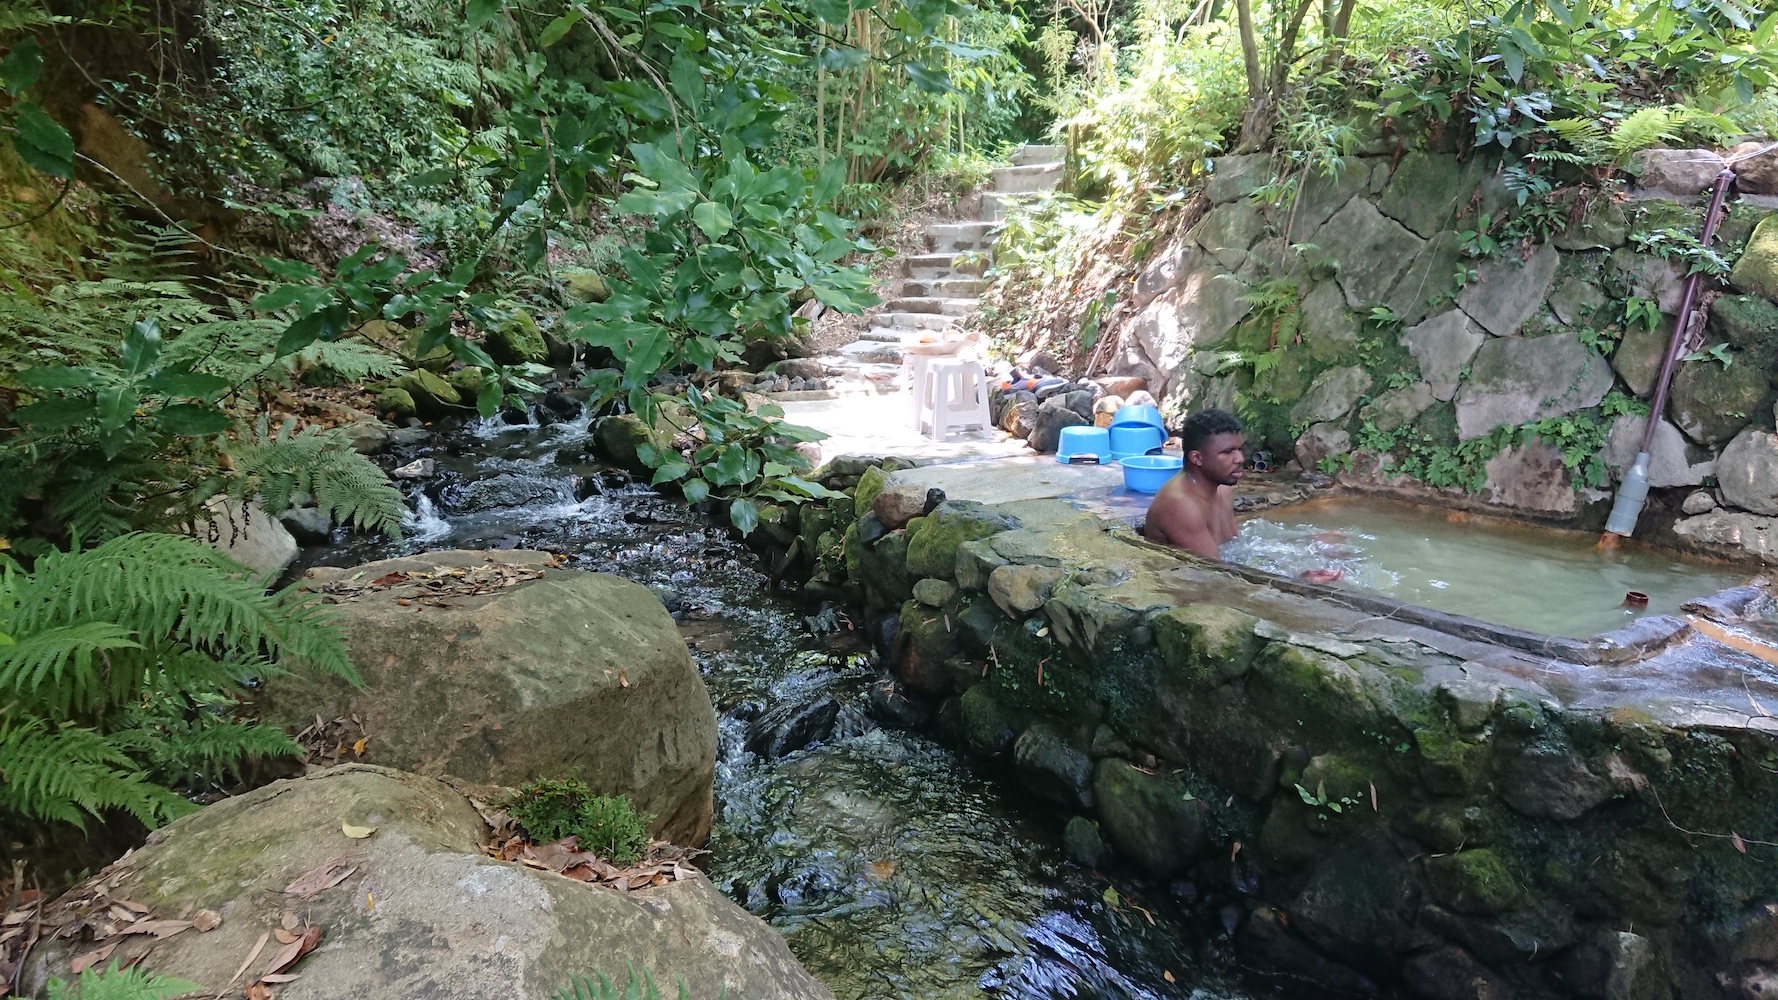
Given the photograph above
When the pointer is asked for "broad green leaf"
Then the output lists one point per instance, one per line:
(289, 270)
(141, 347)
(829, 182)
(57, 377)
(189, 385)
(480, 12)
(487, 402)
(687, 80)
(670, 470)
(831, 11)
(57, 413)
(555, 30)
(21, 67)
(192, 420)
(744, 515)
(713, 218)
(116, 406)
(42, 141)
(695, 490)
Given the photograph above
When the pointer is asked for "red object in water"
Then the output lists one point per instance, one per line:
(1636, 598)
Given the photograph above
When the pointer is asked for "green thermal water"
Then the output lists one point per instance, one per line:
(1538, 579)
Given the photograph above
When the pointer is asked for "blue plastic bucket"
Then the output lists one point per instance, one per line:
(1137, 415)
(1134, 439)
(1083, 445)
(1148, 473)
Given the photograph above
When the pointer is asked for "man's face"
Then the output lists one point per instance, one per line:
(1221, 459)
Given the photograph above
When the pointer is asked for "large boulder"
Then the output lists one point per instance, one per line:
(420, 911)
(1229, 231)
(1672, 460)
(1199, 311)
(1398, 407)
(1235, 177)
(1372, 251)
(1508, 291)
(1427, 192)
(1747, 471)
(1756, 174)
(1529, 477)
(1332, 395)
(1514, 381)
(1329, 328)
(1750, 535)
(1443, 347)
(1638, 356)
(1757, 271)
(1428, 279)
(1747, 322)
(497, 667)
(1711, 403)
(1660, 280)
(1320, 193)
(1679, 172)
(1151, 819)
(247, 535)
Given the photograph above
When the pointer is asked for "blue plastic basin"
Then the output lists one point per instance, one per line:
(1137, 415)
(1148, 473)
(1083, 444)
(1135, 439)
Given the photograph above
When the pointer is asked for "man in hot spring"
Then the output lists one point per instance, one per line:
(1195, 510)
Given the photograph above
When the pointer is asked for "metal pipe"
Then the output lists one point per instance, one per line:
(1632, 493)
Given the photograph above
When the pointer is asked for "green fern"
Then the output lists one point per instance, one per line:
(598, 986)
(118, 675)
(120, 984)
(346, 486)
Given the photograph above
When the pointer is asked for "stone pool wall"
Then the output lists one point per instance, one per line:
(1404, 346)
(1387, 798)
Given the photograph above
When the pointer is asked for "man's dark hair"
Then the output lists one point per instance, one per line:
(1200, 427)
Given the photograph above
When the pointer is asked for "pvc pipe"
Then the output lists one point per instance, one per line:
(1632, 493)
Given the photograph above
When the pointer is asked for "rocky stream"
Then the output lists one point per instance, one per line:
(893, 866)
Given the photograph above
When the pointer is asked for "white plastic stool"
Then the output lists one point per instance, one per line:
(953, 396)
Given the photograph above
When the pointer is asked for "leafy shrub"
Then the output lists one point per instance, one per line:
(548, 810)
(118, 672)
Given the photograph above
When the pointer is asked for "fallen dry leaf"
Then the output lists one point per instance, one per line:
(206, 921)
(293, 952)
(161, 929)
(358, 747)
(86, 961)
(623, 678)
(285, 937)
(290, 921)
(258, 946)
(1740, 845)
(313, 881)
(15, 917)
(259, 991)
(133, 906)
(1167, 974)
(356, 832)
(1374, 797)
(282, 977)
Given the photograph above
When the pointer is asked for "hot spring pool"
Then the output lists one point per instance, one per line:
(1537, 579)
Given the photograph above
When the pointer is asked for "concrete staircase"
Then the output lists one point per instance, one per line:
(938, 289)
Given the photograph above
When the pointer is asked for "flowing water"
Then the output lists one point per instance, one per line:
(892, 866)
(1542, 580)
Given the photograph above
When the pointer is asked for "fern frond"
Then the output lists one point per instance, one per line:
(62, 666)
(68, 772)
(1646, 127)
(347, 359)
(276, 465)
(199, 747)
(167, 587)
(120, 984)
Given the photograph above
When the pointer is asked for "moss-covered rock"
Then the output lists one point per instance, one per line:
(1757, 271)
(976, 560)
(1082, 843)
(926, 641)
(882, 566)
(585, 286)
(431, 394)
(1637, 359)
(1475, 881)
(1205, 644)
(467, 381)
(933, 539)
(1325, 697)
(1711, 403)
(1747, 322)
(1150, 818)
(1052, 768)
(1449, 764)
(394, 401)
(517, 341)
(620, 437)
(1338, 779)
(989, 727)
(869, 485)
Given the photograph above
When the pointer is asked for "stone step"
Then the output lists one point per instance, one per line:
(927, 304)
(1027, 179)
(1029, 154)
(951, 237)
(872, 352)
(929, 266)
(950, 288)
(918, 321)
(886, 334)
